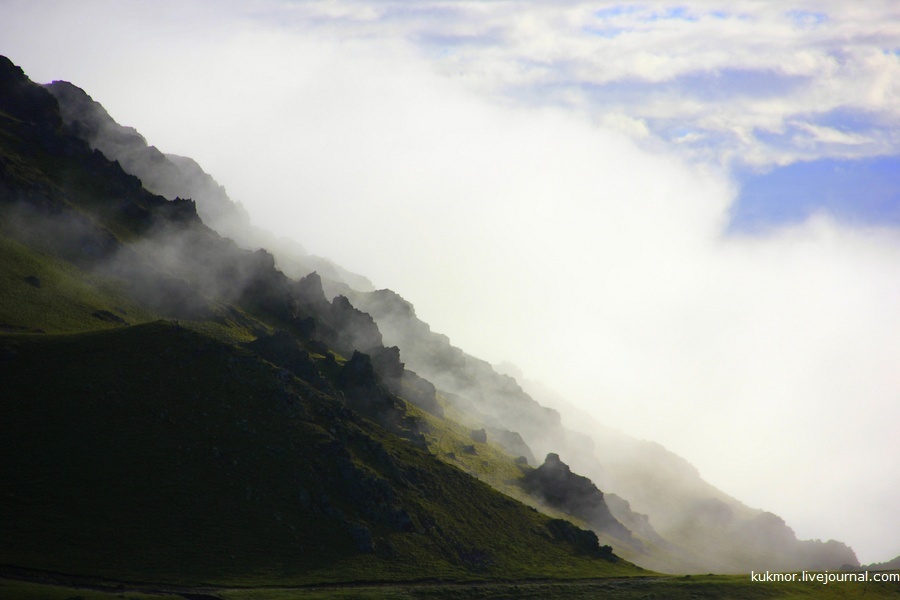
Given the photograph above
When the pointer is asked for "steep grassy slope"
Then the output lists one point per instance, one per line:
(46, 293)
(155, 452)
(692, 526)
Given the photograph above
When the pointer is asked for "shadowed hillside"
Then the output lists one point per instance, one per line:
(156, 450)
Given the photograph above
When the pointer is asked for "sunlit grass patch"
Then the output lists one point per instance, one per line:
(39, 291)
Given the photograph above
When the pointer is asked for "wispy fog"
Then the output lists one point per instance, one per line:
(571, 232)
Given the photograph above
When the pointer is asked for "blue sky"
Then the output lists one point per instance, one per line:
(863, 191)
(682, 216)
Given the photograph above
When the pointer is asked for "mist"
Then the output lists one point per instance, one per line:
(579, 245)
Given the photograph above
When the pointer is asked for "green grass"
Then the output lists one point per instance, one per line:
(450, 441)
(736, 587)
(67, 298)
(155, 452)
(725, 587)
(26, 590)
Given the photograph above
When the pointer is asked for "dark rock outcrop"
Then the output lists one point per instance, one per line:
(366, 394)
(585, 541)
(282, 349)
(386, 362)
(24, 100)
(356, 329)
(173, 176)
(512, 443)
(473, 385)
(555, 484)
(404, 383)
(337, 323)
(478, 435)
(308, 295)
(340, 325)
(167, 175)
(108, 317)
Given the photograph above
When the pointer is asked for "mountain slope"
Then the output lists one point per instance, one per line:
(690, 526)
(156, 450)
(175, 449)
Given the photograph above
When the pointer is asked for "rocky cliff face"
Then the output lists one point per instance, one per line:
(664, 500)
(22, 100)
(173, 176)
(166, 175)
(556, 485)
(472, 384)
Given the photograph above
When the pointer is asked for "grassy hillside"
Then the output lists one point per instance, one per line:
(43, 292)
(157, 452)
(724, 587)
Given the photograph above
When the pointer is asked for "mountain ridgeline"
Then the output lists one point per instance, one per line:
(187, 398)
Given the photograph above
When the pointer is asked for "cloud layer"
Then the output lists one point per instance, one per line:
(784, 82)
(550, 186)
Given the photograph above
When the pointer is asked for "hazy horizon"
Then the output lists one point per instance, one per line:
(568, 188)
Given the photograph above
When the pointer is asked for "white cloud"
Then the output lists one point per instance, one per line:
(829, 135)
(815, 58)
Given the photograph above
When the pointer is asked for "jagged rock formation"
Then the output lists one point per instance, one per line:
(555, 484)
(23, 100)
(173, 176)
(166, 175)
(661, 491)
(637, 523)
(585, 541)
(472, 384)
(706, 529)
(512, 442)
(339, 325)
(367, 395)
(284, 350)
